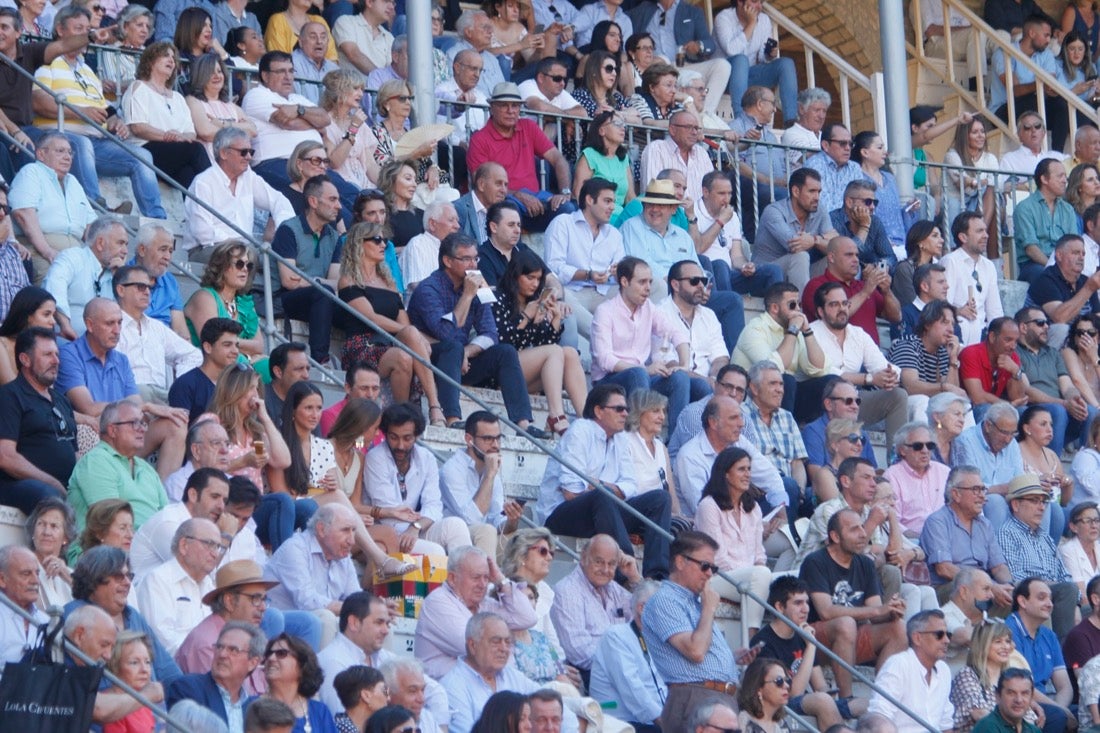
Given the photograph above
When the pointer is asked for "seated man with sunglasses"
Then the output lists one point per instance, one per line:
(238, 192)
(841, 401)
(918, 677)
(855, 218)
(156, 352)
(918, 481)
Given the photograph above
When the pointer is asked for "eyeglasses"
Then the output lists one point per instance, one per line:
(696, 280)
(611, 68)
(318, 160)
(616, 408)
(138, 424)
(490, 438)
(706, 567)
(841, 143)
(978, 489)
(256, 599)
(556, 78)
(281, 653)
(849, 401)
(244, 152)
(473, 259)
(244, 265)
(229, 649)
(142, 287)
(1033, 499)
(854, 438)
(869, 203)
(940, 634)
(1091, 521)
(403, 98)
(781, 681)
(646, 47)
(1040, 322)
(216, 547)
(1086, 332)
(469, 67)
(929, 446)
(736, 389)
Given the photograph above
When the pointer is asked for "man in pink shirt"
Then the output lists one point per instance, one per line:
(918, 481)
(623, 330)
(360, 380)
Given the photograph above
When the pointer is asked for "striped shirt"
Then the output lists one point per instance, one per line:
(80, 86)
(909, 353)
(781, 441)
(672, 610)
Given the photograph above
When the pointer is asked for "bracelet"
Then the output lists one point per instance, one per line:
(376, 512)
(807, 333)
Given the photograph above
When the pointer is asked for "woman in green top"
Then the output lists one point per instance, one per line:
(226, 293)
(604, 156)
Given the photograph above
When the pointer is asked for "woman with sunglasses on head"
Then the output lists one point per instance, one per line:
(224, 292)
(293, 677)
(1081, 553)
(764, 692)
(529, 314)
(1034, 433)
(366, 285)
(730, 513)
(604, 156)
(843, 439)
(1081, 357)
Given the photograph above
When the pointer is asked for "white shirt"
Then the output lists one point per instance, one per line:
(235, 202)
(661, 154)
(960, 280)
(340, 654)
(171, 601)
(468, 692)
(74, 278)
(1023, 161)
(466, 120)
(157, 354)
(16, 636)
(931, 13)
(859, 352)
(152, 544)
(570, 247)
(355, 29)
(695, 459)
(380, 481)
(459, 482)
(730, 36)
(903, 676)
(563, 101)
(704, 336)
(420, 258)
(729, 236)
(800, 137)
(271, 140)
(142, 104)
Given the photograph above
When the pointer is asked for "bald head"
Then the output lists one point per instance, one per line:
(99, 308)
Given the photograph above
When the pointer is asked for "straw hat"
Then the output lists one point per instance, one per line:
(235, 574)
(660, 192)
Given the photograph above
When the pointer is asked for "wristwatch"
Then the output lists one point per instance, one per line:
(867, 379)
(301, 110)
(793, 330)
(567, 192)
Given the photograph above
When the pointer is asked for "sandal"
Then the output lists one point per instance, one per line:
(392, 567)
(440, 422)
(557, 424)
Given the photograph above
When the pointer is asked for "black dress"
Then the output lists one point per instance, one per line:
(363, 345)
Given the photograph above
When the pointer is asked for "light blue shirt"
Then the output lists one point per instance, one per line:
(565, 14)
(998, 96)
(664, 36)
(660, 251)
(570, 246)
(74, 278)
(591, 14)
(60, 210)
(766, 161)
(834, 178)
(586, 445)
(971, 449)
(467, 692)
(459, 482)
(306, 72)
(672, 610)
(234, 711)
(308, 581)
(623, 673)
(224, 21)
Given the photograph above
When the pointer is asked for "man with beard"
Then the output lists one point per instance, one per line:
(690, 287)
(37, 426)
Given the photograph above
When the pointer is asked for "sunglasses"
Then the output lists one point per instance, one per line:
(849, 401)
(557, 78)
(611, 68)
(142, 287)
(279, 653)
(318, 160)
(544, 551)
(1040, 322)
(1086, 332)
(792, 305)
(244, 265)
(706, 567)
(695, 281)
(940, 634)
(854, 438)
(376, 239)
(781, 681)
(403, 98)
(616, 408)
(929, 446)
(244, 152)
(869, 203)
(1030, 128)
(977, 282)
(842, 143)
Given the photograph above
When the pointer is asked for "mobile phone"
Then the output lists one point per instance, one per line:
(769, 46)
(882, 265)
(912, 206)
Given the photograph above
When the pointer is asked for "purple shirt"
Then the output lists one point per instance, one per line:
(582, 613)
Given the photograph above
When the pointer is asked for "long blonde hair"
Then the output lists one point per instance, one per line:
(351, 262)
(984, 635)
(232, 385)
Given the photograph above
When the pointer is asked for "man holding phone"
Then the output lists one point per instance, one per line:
(472, 487)
(856, 219)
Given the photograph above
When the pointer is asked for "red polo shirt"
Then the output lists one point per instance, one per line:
(974, 363)
(516, 153)
(864, 317)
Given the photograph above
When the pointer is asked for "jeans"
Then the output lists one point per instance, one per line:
(540, 222)
(309, 304)
(679, 387)
(730, 309)
(594, 512)
(498, 364)
(777, 72)
(1029, 271)
(727, 278)
(278, 515)
(24, 495)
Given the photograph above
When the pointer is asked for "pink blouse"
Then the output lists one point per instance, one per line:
(739, 546)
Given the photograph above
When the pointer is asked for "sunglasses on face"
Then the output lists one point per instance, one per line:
(695, 281)
(1040, 322)
(244, 152)
(244, 265)
(556, 78)
(842, 143)
(869, 203)
(706, 567)
(940, 634)
(929, 446)
(611, 69)
(616, 408)
(849, 401)
(854, 438)
(142, 287)
(781, 681)
(279, 653)
(404, 98)
(1086, 332)
(376, 239)
(544, 551)
(318, 160)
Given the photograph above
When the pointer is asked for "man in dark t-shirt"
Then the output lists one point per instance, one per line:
(844, 588)
(37, 426)
(791, 597)
(194, 390)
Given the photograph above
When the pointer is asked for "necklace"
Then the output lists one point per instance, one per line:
(230, 304)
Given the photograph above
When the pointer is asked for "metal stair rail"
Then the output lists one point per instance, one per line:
(977, 100)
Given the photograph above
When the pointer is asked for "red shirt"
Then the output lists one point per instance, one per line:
(974, 363)
(864, 317)
(516, 153)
